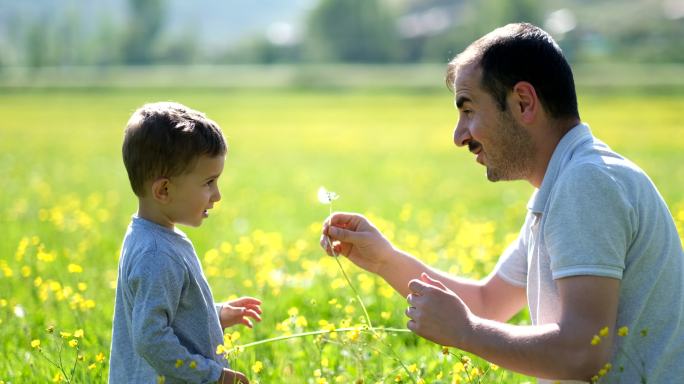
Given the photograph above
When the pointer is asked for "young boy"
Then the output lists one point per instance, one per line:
(166, 325)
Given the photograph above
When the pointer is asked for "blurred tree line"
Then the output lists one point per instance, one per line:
(357, 31)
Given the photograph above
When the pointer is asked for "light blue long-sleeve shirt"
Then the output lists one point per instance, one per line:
(165, 320)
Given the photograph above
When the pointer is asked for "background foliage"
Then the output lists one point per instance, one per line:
(66, 202)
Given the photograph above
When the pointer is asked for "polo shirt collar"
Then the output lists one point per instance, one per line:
(561, 156)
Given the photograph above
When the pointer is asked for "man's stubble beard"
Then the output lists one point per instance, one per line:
(512, 155)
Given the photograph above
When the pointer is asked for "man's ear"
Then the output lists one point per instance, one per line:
(525, 102)
(160, 190)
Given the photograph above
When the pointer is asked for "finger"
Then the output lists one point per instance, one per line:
(323, 242)
(251, 313)
(435, 283)
(412, 325)
(418, 287)
(344, 235)
(245, 300)
(255, 308)
(341, 218)
(242, 379)
(246, 322)
(411, 312)
(327, 245)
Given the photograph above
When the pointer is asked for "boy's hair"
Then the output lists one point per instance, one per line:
(521, 52)
(166, 139)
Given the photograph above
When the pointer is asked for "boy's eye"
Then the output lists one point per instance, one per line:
(210, 182)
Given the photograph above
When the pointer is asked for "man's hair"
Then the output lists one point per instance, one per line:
(521, 52)
(166, 139)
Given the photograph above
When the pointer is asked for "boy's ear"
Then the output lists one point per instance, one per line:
(160, 190)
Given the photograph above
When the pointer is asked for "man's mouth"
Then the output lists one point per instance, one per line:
(476, 148)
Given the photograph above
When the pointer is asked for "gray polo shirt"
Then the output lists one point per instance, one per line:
(165, 320)
(598, 214)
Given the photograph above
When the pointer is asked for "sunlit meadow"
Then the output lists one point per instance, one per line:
(65, 203)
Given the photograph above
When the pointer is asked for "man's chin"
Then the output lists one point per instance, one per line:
(493, 176)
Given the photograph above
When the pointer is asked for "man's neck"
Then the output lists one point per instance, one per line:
(547, 140)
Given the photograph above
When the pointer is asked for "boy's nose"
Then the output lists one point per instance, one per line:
(216, 196)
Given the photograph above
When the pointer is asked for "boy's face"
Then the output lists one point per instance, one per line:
(193, 194)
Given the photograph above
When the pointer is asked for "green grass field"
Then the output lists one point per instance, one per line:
(65, 203)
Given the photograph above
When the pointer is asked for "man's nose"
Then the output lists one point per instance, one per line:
(461, 134)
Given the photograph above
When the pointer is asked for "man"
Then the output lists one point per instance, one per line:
(598, 247)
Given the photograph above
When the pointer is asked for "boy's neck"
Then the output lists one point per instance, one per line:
(151, 212)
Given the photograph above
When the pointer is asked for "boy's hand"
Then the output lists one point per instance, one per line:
(237, 312)
(358, 239)
(229, 376)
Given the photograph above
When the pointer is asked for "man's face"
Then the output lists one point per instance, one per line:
(501, 144)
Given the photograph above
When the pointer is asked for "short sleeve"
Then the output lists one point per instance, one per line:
(589, 224)
(512, 265)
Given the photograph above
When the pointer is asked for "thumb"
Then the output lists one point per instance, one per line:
(343, 235)
(435, 283)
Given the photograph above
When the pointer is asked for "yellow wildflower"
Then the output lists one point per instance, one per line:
(623, 331)
(193, 364)
(100, 357)
(257, 366)
(179, 363)
(596, 340)
(413, 368)
(35, 343)
(78, 333)
(73, 343)
(603, 332)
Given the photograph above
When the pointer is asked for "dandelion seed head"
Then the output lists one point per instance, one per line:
(325, 196)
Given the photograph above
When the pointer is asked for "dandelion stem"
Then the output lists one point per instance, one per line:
(312, 333)
(363, 306)
(358, 297)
